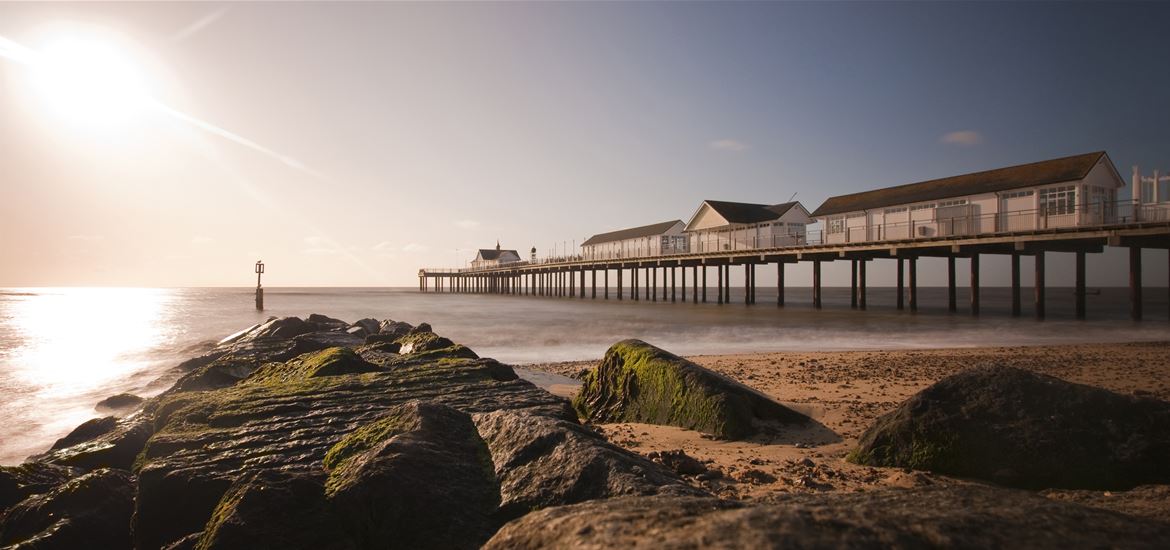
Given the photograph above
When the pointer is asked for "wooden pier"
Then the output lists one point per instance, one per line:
(638, 278)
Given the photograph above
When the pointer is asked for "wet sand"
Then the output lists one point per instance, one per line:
(845, 391)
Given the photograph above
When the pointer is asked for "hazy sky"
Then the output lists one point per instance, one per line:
(372, 139)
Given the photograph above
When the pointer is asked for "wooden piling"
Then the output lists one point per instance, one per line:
(1039, 288)
(1080, 284)
(719, 268)
(1135, 283)
(683, 269)
(704, 284)
(901, 288)
(852, 284)
(913, 261)
(747, 284)
(780, 284)
(816, 267)
(975, 284)
(620, 290)
(861, 284)
(672, 281)
(952, 301)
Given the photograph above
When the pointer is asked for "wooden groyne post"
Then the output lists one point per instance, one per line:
(259, 289)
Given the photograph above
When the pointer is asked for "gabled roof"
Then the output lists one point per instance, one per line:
(494, 253)
(631, 233)
(1001, 179)
(745, 212)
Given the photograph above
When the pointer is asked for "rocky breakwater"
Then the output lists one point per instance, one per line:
(298, 433)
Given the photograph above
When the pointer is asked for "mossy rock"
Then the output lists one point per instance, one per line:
(327, 362)
(89, 511)
(274, 509)
(417, 342)
(1022, 429)
(637, 382)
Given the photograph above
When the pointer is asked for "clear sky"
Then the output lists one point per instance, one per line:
(351, 144)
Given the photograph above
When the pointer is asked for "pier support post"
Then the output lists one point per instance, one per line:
(1135, 283)
(747, 284)
(901, 288)
(975, 283)
(816, 267)
(913, 261)
(672, 281)
(695, 283)
(719, 269)
(861, 284)
(852, 284)
(620, 290)
(704, 284)
(654, 284)
(683, 269)
(952, 301)
(593, 284)
(780, 284)
(727, 282)
(1080, 284)
(581, 295)
(1015, 284)
(1040, 285)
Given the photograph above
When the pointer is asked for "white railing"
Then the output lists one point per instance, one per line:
(1097, 215)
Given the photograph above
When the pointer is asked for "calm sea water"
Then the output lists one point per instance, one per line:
(64, 349)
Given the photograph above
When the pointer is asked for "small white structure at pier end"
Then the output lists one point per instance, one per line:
(1074, 191)
(723, 225)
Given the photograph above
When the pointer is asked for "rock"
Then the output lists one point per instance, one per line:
(358, 331)
(221, 373)
(418, 477)
(116, 448)
(286, 416)
(422, 327)
(1147, 501)
(122, 402)
(542, 462)
(284, 328)
(328, 362)
(90, 511)
(416, 342)
(19, 482)
(314, 341)
(372, 326)
(86, 431)
(394, 329)
(274, 509)
(678, 461)
(960, 516)
(386, 341)
(637, 382)
(1024, 429)
(324, 323)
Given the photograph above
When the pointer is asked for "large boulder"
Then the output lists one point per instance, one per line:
(543, 462)
(419, 477)
(120, 403)
(115, 448)
(327, 362)
(637, 382)
(961, 516)
(90, 511)
(19, 482)
(286, 327)
(87, 431)
(1023, 429)
(319, 340)
(326, 323)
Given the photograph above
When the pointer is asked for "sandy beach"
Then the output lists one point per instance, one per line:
(845, 391)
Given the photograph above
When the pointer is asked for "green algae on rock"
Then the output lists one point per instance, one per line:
(637, 382)
(327, 362)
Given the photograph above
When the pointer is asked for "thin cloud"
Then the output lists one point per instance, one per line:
(198, 25)
(383, 246)
(415, 247)
(466, 224)
(964, 138)
(86, 238)
(727, 144)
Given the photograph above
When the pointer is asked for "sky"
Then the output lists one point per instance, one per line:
(351, 144)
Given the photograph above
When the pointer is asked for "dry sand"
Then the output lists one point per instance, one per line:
(845, 391)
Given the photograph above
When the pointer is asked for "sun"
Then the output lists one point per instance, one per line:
(88, 82)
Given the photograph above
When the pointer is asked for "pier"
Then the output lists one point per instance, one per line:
(649, 278)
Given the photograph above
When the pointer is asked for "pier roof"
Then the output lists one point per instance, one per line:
(1000, 179)
(494, 253)
(746, 212)
(631, 233)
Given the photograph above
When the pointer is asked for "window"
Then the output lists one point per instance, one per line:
(1058, 200)
(836, 225)
(921, 207)
(956, 202)
(1016, 194)
(852, 215)
(895, 210)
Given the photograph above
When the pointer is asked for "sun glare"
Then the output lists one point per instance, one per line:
(90, 83)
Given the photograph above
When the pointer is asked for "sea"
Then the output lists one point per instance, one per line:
(64, 349)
